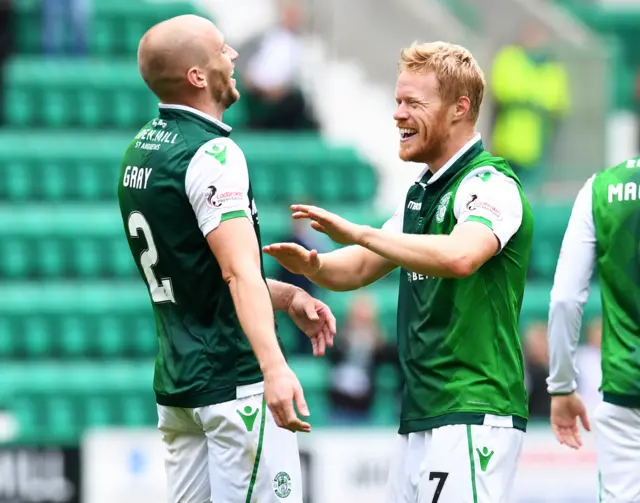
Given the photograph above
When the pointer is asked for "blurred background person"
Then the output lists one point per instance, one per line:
(270, 70)
(65, 26)
(359, 350)
(531, 95)
(536, 362)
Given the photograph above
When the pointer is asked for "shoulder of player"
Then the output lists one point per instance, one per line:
(487, 178)
(217, 154)
(490, 185)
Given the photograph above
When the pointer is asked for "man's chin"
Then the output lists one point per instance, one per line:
(232, 97)
(407, 154)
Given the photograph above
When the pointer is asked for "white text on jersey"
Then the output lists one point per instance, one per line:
(135, 177)
(623, 192)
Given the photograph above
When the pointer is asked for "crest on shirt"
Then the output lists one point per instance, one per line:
(441, 210)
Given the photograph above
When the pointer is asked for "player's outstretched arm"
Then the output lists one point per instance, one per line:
(341, 270)
(456, 255)
(488, 210)
(309, 314)
(236, 249)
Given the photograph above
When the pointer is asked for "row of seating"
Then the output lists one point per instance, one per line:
(97, 320)
(94, 93)
(68, 398)
(85, 167)
(72, 336)
(87, 240)
(114, 27)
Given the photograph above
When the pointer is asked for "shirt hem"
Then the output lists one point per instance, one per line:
(629, 401)
(204, 399)
(466, 418)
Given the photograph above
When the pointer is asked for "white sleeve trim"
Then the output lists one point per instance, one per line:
(570, 292)
(217, 183)
(488, 196)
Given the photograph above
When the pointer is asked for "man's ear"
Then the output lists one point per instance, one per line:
(461, 108)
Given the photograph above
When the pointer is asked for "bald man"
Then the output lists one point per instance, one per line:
(192, 226)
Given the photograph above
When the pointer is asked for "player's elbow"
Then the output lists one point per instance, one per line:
(460, 266)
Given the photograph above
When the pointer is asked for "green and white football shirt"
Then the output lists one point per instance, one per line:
(180, 178)
(458, 339)
(604, 230)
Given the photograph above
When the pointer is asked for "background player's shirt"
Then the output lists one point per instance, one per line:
(458, 339)
(180, 178)
(604, 229)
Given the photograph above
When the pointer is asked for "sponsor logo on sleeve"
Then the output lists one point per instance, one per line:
(474, 205)
(216, 199)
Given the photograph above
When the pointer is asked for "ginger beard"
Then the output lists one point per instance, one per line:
(423, 139)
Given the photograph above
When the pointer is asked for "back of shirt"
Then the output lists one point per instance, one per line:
(180, 178)
(616, 217)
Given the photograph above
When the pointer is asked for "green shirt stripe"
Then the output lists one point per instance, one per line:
(482, 220)
(472, 462)
(256, 464)
(233, 214)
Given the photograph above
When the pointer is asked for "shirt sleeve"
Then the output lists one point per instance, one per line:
(491, 198)
(395, 224)
(570, 292)
(217, 184)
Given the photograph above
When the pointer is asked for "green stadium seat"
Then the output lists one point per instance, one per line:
(36, 337)
(314, 375)
(74, 338)
(550, 225)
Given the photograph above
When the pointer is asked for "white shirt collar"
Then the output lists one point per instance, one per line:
(185, 108)
(451, 161)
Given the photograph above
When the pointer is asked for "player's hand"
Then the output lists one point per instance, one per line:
(282, 392)
(337, 228)
(294, 258)
(315, 319)
(565, 411)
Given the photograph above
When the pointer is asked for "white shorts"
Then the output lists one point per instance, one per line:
(618, 447)
(455, 464)
(230, 452)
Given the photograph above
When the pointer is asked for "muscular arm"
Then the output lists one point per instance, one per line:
(350, 268)
(236, 249)
(456, 255)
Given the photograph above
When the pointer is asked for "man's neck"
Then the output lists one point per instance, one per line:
(450, 150)
(215, 110)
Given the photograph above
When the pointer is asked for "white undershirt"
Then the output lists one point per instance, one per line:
(570, 292)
